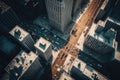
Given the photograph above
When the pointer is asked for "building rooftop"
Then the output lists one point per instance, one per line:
(115, 14)
(106, 36)
(67, 63)
(82, 56)
(112, 23)
(65, 76)
(78, 75)
(20, 64)
(104, 4)
(79, 64)
(100, 41)
(18, 33)
(84, 69)
(42, 44)
(3, 7)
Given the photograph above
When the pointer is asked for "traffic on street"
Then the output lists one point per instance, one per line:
(37, 31)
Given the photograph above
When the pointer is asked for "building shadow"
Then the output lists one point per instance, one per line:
(100, 57)
(47, 69)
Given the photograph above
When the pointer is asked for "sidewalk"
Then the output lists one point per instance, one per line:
(54, 54)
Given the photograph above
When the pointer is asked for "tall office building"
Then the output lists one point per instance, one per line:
(115, 14)
(76, 6)
(3, 29)
(59, 13)
(8, 50)
(44, 48)
(24, 66)
(28, 9)
(23, 37)
(8, 16)
(101, 44)
(110, 9)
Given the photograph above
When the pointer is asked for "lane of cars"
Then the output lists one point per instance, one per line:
(37, 31)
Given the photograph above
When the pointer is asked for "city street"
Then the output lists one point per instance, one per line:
(37, 31)
(60, 40)
(85, 21)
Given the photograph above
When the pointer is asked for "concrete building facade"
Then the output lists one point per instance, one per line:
(44, 48)
(101, 43)
(7, 16)
(59, 13)
(24, 66)
(23, 37)
(76, 6)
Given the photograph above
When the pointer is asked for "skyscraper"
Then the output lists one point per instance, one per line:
(7, 16)
(76, 6)
(44, 48)
(101, 44)
(59, 13)
(23, 37)
(24, 66)
(27, 9)
(8, 50)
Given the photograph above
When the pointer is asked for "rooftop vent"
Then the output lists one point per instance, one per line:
(30, 61)
(42, 45)
(17, 33)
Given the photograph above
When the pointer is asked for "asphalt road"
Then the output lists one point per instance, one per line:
(85, 21)
(37, 31)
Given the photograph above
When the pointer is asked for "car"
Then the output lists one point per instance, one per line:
(57, 43)
(45, 31)
(52, 41)
(29, 30)
(42, 28)
(55, 48)
(66, 47)
(35, 30)
(58, 39)
(47, 38)
(33, 33)
(45, 35)
(54, 35)
(99, 65)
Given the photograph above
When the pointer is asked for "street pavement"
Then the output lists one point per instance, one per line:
(37, 31)
(86, 20)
